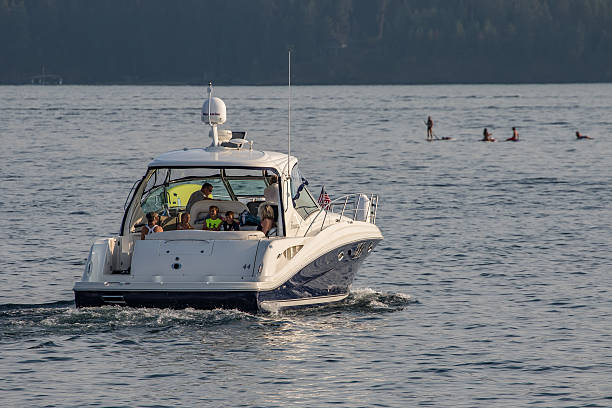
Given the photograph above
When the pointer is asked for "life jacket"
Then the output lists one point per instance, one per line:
(213, 224)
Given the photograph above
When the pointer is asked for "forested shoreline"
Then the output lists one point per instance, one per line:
(334, 42)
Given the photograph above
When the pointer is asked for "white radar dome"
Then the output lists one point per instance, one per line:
(218, 114)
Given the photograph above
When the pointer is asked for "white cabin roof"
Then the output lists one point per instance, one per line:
(223, 157)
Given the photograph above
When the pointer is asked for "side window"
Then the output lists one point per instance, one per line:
(153, 195)
(154, 201)
(302, 199)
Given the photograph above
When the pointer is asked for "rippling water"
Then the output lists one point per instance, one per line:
(491, 288)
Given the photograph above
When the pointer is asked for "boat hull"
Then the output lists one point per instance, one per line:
(325, 280)
(246, 301)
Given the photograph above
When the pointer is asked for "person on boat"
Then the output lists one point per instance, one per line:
(486, 136)
(205, 193)
(429, 124)
(579, 136)
(230, 224)
(515, 136)
(185, 222)
(272, 189)
(212, 221)
(151, 226)
(267, 224)
(270, 196)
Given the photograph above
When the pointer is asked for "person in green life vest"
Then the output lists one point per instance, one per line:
(212, 221)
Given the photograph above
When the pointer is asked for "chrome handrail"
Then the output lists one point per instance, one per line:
(354, 198)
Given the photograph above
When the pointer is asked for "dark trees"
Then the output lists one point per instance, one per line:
(340, 41)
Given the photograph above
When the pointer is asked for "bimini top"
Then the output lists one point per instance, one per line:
(223, 157)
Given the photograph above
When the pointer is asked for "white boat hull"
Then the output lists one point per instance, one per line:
(325, 279)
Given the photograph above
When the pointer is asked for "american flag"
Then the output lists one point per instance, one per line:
(324, 199)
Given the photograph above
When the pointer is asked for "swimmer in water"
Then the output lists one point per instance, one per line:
(579, 136)
(515, 136)
(486, 136)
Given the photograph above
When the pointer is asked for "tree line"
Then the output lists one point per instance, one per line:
(333, 42)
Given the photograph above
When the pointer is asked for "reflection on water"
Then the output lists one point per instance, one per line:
(490, 288)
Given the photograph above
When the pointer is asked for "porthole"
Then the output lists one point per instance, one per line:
(340, 255)
(176, 266)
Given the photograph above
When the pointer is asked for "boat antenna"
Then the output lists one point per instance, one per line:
(213, 126)
(213, 129)
(289, 117)
(214, 113)
(209, 101)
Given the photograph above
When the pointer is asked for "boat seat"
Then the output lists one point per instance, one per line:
(199, 210)
(253, 207)
(199, 235)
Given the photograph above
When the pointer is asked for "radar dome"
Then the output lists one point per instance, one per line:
(218, 114)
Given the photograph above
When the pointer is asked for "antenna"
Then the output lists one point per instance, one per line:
(213, 114)
(209, 99)
(289, 118)
(213, 128)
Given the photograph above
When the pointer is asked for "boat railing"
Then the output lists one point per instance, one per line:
(349, 207)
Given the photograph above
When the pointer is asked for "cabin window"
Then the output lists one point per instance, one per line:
(167, 190)
(247, 188)
(303, 201)
(246, 182)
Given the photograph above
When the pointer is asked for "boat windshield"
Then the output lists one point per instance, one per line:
(168, 189)
(303, 201)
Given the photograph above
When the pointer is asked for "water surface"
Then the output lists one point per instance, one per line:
(491, 288)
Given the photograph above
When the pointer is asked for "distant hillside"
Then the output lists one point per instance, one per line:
(334, 41)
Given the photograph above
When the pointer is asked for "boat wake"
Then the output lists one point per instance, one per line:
(62, 318)
(365, 300)
(371, 300)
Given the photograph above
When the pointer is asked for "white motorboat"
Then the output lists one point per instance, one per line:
(309, 256)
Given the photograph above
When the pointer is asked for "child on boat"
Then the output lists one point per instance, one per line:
(230, 224)
(185, 225)
(212, 222)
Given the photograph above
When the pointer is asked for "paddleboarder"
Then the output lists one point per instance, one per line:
(486, 136)
(429, 124)
(579, 136)
(515, 136)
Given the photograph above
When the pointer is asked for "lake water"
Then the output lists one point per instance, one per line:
(492, 286)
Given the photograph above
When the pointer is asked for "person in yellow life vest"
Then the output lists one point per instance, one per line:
(212, 221)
